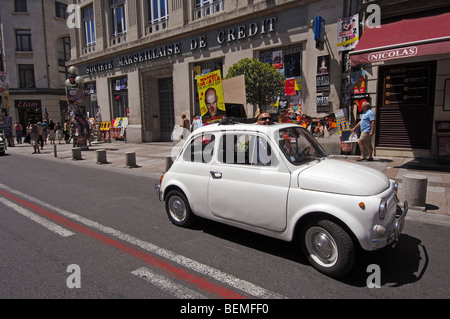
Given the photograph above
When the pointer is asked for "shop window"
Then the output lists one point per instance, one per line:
(288, 61)
(90, 93)
(23, 40)
(120, 97)
(204, 8)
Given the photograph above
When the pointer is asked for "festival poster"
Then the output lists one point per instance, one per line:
(210, 96)
(357, 102)
(348, 33)
(289, 87)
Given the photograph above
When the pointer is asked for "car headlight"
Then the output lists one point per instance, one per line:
(382, 209)
(395, 186)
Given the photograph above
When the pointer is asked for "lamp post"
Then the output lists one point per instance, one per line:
(77, 109)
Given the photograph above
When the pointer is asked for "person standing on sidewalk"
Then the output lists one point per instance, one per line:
(367, 125)
(51, 135)
(59, 132)
(34, 137)
(18, 128)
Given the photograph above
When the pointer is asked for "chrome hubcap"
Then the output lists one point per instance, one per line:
(321, 246)
(177, 208)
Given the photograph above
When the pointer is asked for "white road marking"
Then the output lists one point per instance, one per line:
(38, 219)
(167, 285)
(216, 274)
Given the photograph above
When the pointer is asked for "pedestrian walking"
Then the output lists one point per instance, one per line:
(52, 134)
(40, 135)
(44, 131)
(18, 128)
(67, 131)
(34, 136)
(59, 132)
(367, 125)
(186, 125)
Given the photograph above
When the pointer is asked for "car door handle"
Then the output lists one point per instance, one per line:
(216, 175)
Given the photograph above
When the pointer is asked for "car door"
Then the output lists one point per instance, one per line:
(248, 183)
(192, 170)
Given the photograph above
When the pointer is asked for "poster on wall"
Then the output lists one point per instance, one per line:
(210, 97)
(323, 64)
(358, 82)
(348, 33)
(357, 102)
(322, 104)
(277, 59)
(322, 83)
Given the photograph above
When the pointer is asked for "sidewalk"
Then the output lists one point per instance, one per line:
(151, 162)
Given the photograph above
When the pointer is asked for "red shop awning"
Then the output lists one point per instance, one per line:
(402, 39)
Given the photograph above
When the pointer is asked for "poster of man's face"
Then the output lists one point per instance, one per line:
(211, 101)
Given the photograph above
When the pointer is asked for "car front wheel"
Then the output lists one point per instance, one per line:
(178, 209)
(328, 247)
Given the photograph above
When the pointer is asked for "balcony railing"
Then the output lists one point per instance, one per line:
(157, 26)
(117, 39)
(208, 9)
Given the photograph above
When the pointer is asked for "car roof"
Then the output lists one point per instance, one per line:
(268, 129)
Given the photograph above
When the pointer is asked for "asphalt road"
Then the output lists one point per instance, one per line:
(108, 234)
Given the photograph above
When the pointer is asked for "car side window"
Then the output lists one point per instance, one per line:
(200, 149)
(243, 148)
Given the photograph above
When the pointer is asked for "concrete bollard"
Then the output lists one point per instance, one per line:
(76, 154)
(169, 162)
(130, 159)
(415, 190)
(101, 157)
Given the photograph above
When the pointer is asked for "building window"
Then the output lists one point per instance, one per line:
(23, 40)
(63, 57)
(204, 8)
(157, 15)
(287, 58)
(118, 17)
(90, 92)
(61, 10)
(20, 6)
(26, 75)
(120, 97)
(88, 26)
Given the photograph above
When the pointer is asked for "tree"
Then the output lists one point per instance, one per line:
(262, 81)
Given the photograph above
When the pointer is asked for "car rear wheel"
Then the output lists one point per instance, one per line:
(328, 247)
(178, 209)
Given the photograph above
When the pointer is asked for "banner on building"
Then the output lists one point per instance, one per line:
(210, 97)
(348, 33)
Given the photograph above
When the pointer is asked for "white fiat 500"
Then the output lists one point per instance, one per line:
(278, 181)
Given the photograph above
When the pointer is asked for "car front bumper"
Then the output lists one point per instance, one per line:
(158, 191)
(391, 237)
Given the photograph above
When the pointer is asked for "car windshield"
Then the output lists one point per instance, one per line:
(299, 146)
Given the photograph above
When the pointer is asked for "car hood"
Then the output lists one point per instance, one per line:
(334, 176)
